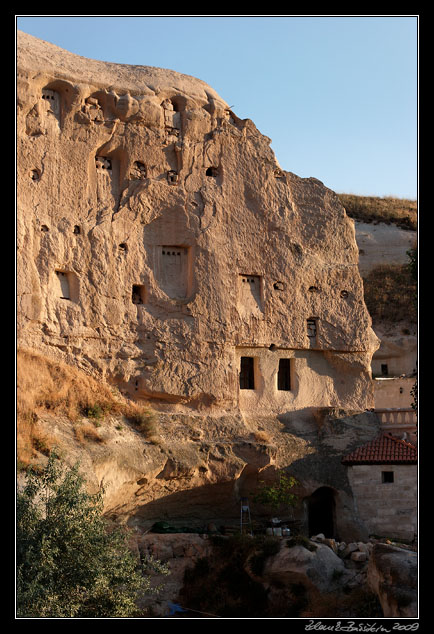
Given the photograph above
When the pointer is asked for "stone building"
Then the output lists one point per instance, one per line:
(383, 478)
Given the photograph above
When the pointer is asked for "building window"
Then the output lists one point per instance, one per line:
(51, 99)
(138, 171)
(387, 476)
(284, 375)
(250, 300)
(172, 177)
(138, 295)
(174, 270)
(311, 328)
(247, 373)
(384, 369)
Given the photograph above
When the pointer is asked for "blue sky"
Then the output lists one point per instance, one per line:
(337, 95)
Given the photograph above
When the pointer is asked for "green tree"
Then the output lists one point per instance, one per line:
(280, 494)
(68, 563)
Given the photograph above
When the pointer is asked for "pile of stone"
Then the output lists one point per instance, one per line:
(354, 551)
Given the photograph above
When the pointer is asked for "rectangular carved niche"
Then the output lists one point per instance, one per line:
(51, 101)
(107, 180)
(174, 271)
(250, 295)
(65, 285)
(138, 294)
(284, 375)
(247, 373)
(311, 328)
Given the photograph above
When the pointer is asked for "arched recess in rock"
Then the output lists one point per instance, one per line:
(321, 512)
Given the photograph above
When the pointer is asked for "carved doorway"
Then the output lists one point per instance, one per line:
(321, 512)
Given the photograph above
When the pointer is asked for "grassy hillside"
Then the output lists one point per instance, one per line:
(398, 211)
(48, 386)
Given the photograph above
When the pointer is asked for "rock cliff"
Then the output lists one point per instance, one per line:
(159, 243)
(162, 250)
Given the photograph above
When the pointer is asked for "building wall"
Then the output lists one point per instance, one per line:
(394, 393)
(317, 379)
(388, 509)
(396, 355)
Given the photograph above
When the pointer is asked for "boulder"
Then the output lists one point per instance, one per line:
(321, 568)
(359, 556)
(392, 575)
(350, 548)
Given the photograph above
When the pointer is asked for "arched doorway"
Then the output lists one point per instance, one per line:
(321, 512)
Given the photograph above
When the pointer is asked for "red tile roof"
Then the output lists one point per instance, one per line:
(385, 449)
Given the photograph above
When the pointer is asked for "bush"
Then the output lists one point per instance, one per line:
(97, 411)
(278, 495)
(146, 422)
(390, 292)
(68, 563)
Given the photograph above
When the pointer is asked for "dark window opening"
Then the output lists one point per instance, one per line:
(77, 230)
(172, 177)
(123, 247)
(311, 328)
(247, 374)
(384, 369)
(140, 169)
(321, 512)
(279, 286)
(284, 375)
(103, 163)
(211, 171)
(386, 476)
(138, 294)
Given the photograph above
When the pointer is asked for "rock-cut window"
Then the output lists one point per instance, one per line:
(284, 375)
(247, 373)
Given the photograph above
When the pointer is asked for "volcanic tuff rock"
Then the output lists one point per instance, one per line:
(392, 574)
(159, 242)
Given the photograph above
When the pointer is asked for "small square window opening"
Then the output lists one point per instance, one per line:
(387, 477)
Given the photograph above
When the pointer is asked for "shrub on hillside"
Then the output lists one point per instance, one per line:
(68, 563)
(389, 292)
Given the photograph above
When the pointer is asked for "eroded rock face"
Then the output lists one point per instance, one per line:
(392, 574)
(160, 245)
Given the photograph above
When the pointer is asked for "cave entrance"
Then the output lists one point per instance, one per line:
(321, 512)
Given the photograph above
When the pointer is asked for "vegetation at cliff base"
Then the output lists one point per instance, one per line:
(278, 495)
(70, 563)
(50, 387)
